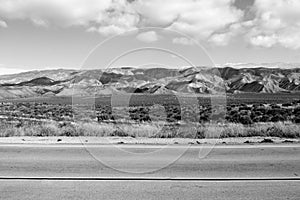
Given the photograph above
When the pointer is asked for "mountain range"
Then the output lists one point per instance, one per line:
(199, 80)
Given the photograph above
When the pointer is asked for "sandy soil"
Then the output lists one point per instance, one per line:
(130, 140)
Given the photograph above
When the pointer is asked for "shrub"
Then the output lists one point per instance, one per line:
(119, 133)
(140, 114)
(265, 118)
(245, 119)
(155, 130)
(287, 104)
(297, 120)
(68, 131)
(48, 130)
(10, 132)
(257, 118)
(277, 118)
(284, 130)
(232, 130)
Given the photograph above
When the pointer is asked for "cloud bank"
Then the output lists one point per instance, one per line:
(273, 22)
(276, 23)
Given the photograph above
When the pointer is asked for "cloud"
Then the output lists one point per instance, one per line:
(110, 30)
(57, 12)
(198, 19)
(183, 41)
(221, 39)
(224, 37)
(267, 23)
(150, 36)
(117, 19)
(3, 24)
(276, 23)
(107, 16)
(264, 40)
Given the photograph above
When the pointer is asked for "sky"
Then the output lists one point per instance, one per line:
(48, 34)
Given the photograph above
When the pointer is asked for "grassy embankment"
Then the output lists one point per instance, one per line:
(153, 130)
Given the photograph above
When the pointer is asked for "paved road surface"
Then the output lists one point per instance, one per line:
(103, 161)
(112, 190)
(238, 162)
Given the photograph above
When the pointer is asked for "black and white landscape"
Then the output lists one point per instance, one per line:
(149, 99)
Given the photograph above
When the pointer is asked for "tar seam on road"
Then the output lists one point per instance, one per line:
(264, 179)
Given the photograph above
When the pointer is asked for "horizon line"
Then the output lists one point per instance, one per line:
(12, 71)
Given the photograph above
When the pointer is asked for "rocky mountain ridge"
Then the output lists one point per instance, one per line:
(199, 80)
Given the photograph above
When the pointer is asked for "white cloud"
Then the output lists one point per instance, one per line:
(40, 22)
(276, 23)
(264, 40)
(108, 16)
(198, 19)
(110, 30)
(91, 29)
(224, 38)
(221, 39)
(3, 24)
(150, 36)
(183, 41)
(58, 12)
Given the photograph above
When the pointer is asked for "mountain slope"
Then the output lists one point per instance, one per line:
(202, 80)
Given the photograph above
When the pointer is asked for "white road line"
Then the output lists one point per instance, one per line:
(134, 146)
(155, 179)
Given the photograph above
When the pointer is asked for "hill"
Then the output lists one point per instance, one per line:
(199, 80)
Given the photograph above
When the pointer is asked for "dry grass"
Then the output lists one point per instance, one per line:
(278, 129)
(121, 130)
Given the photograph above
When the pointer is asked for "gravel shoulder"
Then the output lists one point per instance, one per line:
(152, 141)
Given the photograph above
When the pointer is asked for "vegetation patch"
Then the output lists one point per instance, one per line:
(161, 117)
(153, 130)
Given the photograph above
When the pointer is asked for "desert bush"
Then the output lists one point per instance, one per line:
(139, 114)
(232, 130)
(119, 133)
(200, 133)
(10, 132)
(93, 129)
(297, 111)
(68, 131)
(155, 130)
(278, 129)
(213, 131)
(143, 129)
(284, 130)
(297, 120)
(245, 119)
(47, 130)
(286, 104)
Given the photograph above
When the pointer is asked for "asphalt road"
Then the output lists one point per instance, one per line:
(91, 190)
(174, 172)
(149, 161)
